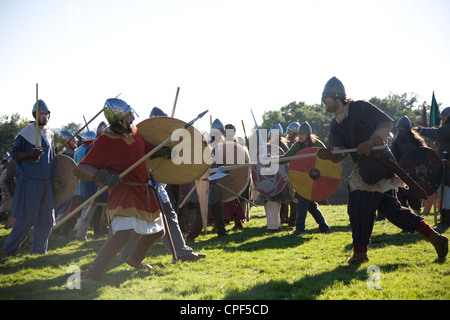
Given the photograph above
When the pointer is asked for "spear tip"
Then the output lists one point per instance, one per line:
(202, 114)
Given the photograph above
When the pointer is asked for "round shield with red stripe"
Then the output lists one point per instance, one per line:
(270, 179)
(313, 178)
(425, 167)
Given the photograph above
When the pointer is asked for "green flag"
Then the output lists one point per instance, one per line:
(435, 116)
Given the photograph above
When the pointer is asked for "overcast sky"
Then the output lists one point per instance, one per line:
(226, 56)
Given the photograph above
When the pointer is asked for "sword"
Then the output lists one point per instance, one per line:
(124, 173)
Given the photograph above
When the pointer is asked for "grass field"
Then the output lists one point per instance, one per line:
(249, 264)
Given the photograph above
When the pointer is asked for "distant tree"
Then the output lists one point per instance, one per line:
(10, 126)
(72, 127)
(300, 112)
(270, 118)
(397, 106)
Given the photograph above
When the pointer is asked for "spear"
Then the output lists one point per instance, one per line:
(82, 128)
(124, 173)
(85, 126)
(175, 102)
(247, 144)
(37, 117)
(221, 169)
(85, 122)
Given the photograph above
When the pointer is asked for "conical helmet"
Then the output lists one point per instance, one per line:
(334, 88)
(404, 122)
(293, 126)
(446, 111)
(116, 110)
(305, 128)
(65, 134)
(41, 106)
(157, 112)
(89, 136)
(277, 129)
(102, 125)
(217, 124)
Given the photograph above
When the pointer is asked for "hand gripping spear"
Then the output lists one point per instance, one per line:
(124, 173)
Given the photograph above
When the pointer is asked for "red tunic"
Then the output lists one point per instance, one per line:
(116, 154)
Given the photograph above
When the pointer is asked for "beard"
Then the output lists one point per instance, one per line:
(331, 106)
(132, 128)
(123, 128)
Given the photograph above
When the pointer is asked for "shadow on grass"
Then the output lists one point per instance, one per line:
(257, 238)
(308, 288)
(398, 239)
(57, 289)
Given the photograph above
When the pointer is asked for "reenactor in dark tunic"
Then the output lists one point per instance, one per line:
(361, 125)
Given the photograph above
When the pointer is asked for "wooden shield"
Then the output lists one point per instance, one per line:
(425, 167)
(64, 166)
(270, 184)
(231, 153)
(193, 153)
(313, 178)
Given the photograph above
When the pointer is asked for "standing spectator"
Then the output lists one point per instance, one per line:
(33, 197)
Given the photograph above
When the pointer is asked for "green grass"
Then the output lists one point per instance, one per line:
(248, 264)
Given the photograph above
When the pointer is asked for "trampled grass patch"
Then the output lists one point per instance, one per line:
(249, 264)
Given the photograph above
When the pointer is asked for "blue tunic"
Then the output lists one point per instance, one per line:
(33, 198)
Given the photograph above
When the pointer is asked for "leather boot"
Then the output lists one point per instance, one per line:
(444, 218)
(440, 243)
(358, 258)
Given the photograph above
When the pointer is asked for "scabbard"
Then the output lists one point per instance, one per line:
(413, 185)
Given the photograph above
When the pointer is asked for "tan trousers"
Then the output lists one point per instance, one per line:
(272, 209)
